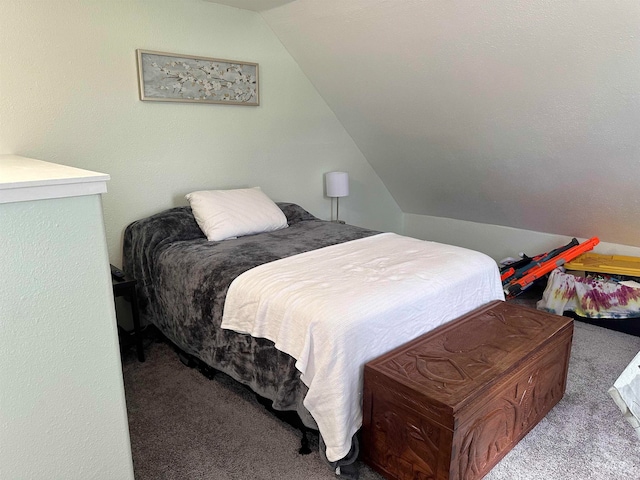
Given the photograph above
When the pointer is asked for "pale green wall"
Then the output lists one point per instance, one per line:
(62, 407)
(68, 94)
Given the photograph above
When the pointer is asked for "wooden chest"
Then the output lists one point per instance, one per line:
(453, 402)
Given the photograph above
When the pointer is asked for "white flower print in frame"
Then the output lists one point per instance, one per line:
(169, 77)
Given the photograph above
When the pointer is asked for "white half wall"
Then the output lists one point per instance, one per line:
(68, 94)
(496, 241)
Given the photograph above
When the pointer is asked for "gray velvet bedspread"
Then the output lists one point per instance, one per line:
(183, 280)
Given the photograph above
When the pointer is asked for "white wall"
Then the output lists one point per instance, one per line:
(517, 113)
(68, 94)
(496, 241)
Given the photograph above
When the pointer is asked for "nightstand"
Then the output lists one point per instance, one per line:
(126, 287)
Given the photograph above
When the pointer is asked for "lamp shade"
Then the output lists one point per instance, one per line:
(337, 184)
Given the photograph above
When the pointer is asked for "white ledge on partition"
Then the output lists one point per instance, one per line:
(23, 179)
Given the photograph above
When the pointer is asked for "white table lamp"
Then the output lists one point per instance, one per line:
(337, 184)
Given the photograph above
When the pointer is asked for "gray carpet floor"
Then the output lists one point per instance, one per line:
(184, 426)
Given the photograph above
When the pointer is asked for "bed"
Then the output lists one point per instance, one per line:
(184, 278)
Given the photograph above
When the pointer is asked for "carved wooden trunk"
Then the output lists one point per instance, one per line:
(453, 402)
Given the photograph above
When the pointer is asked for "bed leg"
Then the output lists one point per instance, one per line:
(304, 442)
(193, 362)
(186, 359)
(207, 371)
(292, 419)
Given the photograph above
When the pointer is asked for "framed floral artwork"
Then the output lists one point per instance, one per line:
(169, 77)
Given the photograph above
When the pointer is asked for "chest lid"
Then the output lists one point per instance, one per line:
(454, 363)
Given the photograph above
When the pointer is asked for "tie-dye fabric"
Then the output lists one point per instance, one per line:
(589, 297)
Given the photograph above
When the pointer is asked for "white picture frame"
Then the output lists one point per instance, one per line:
(170, 77)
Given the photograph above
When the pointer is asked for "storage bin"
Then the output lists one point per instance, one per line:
(609, 264)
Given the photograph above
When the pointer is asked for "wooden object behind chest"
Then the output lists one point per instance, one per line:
(450, 404)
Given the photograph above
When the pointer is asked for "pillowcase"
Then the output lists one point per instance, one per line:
(224, 214)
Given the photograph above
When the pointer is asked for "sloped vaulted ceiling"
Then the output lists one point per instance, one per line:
(523, 114)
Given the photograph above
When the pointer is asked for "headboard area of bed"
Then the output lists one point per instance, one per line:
(178, 223)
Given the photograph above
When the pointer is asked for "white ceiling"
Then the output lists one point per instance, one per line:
(524, 114)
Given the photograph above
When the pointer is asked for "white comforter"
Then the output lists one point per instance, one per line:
(336, 308)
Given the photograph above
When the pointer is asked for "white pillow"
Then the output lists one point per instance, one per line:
(224, 214)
